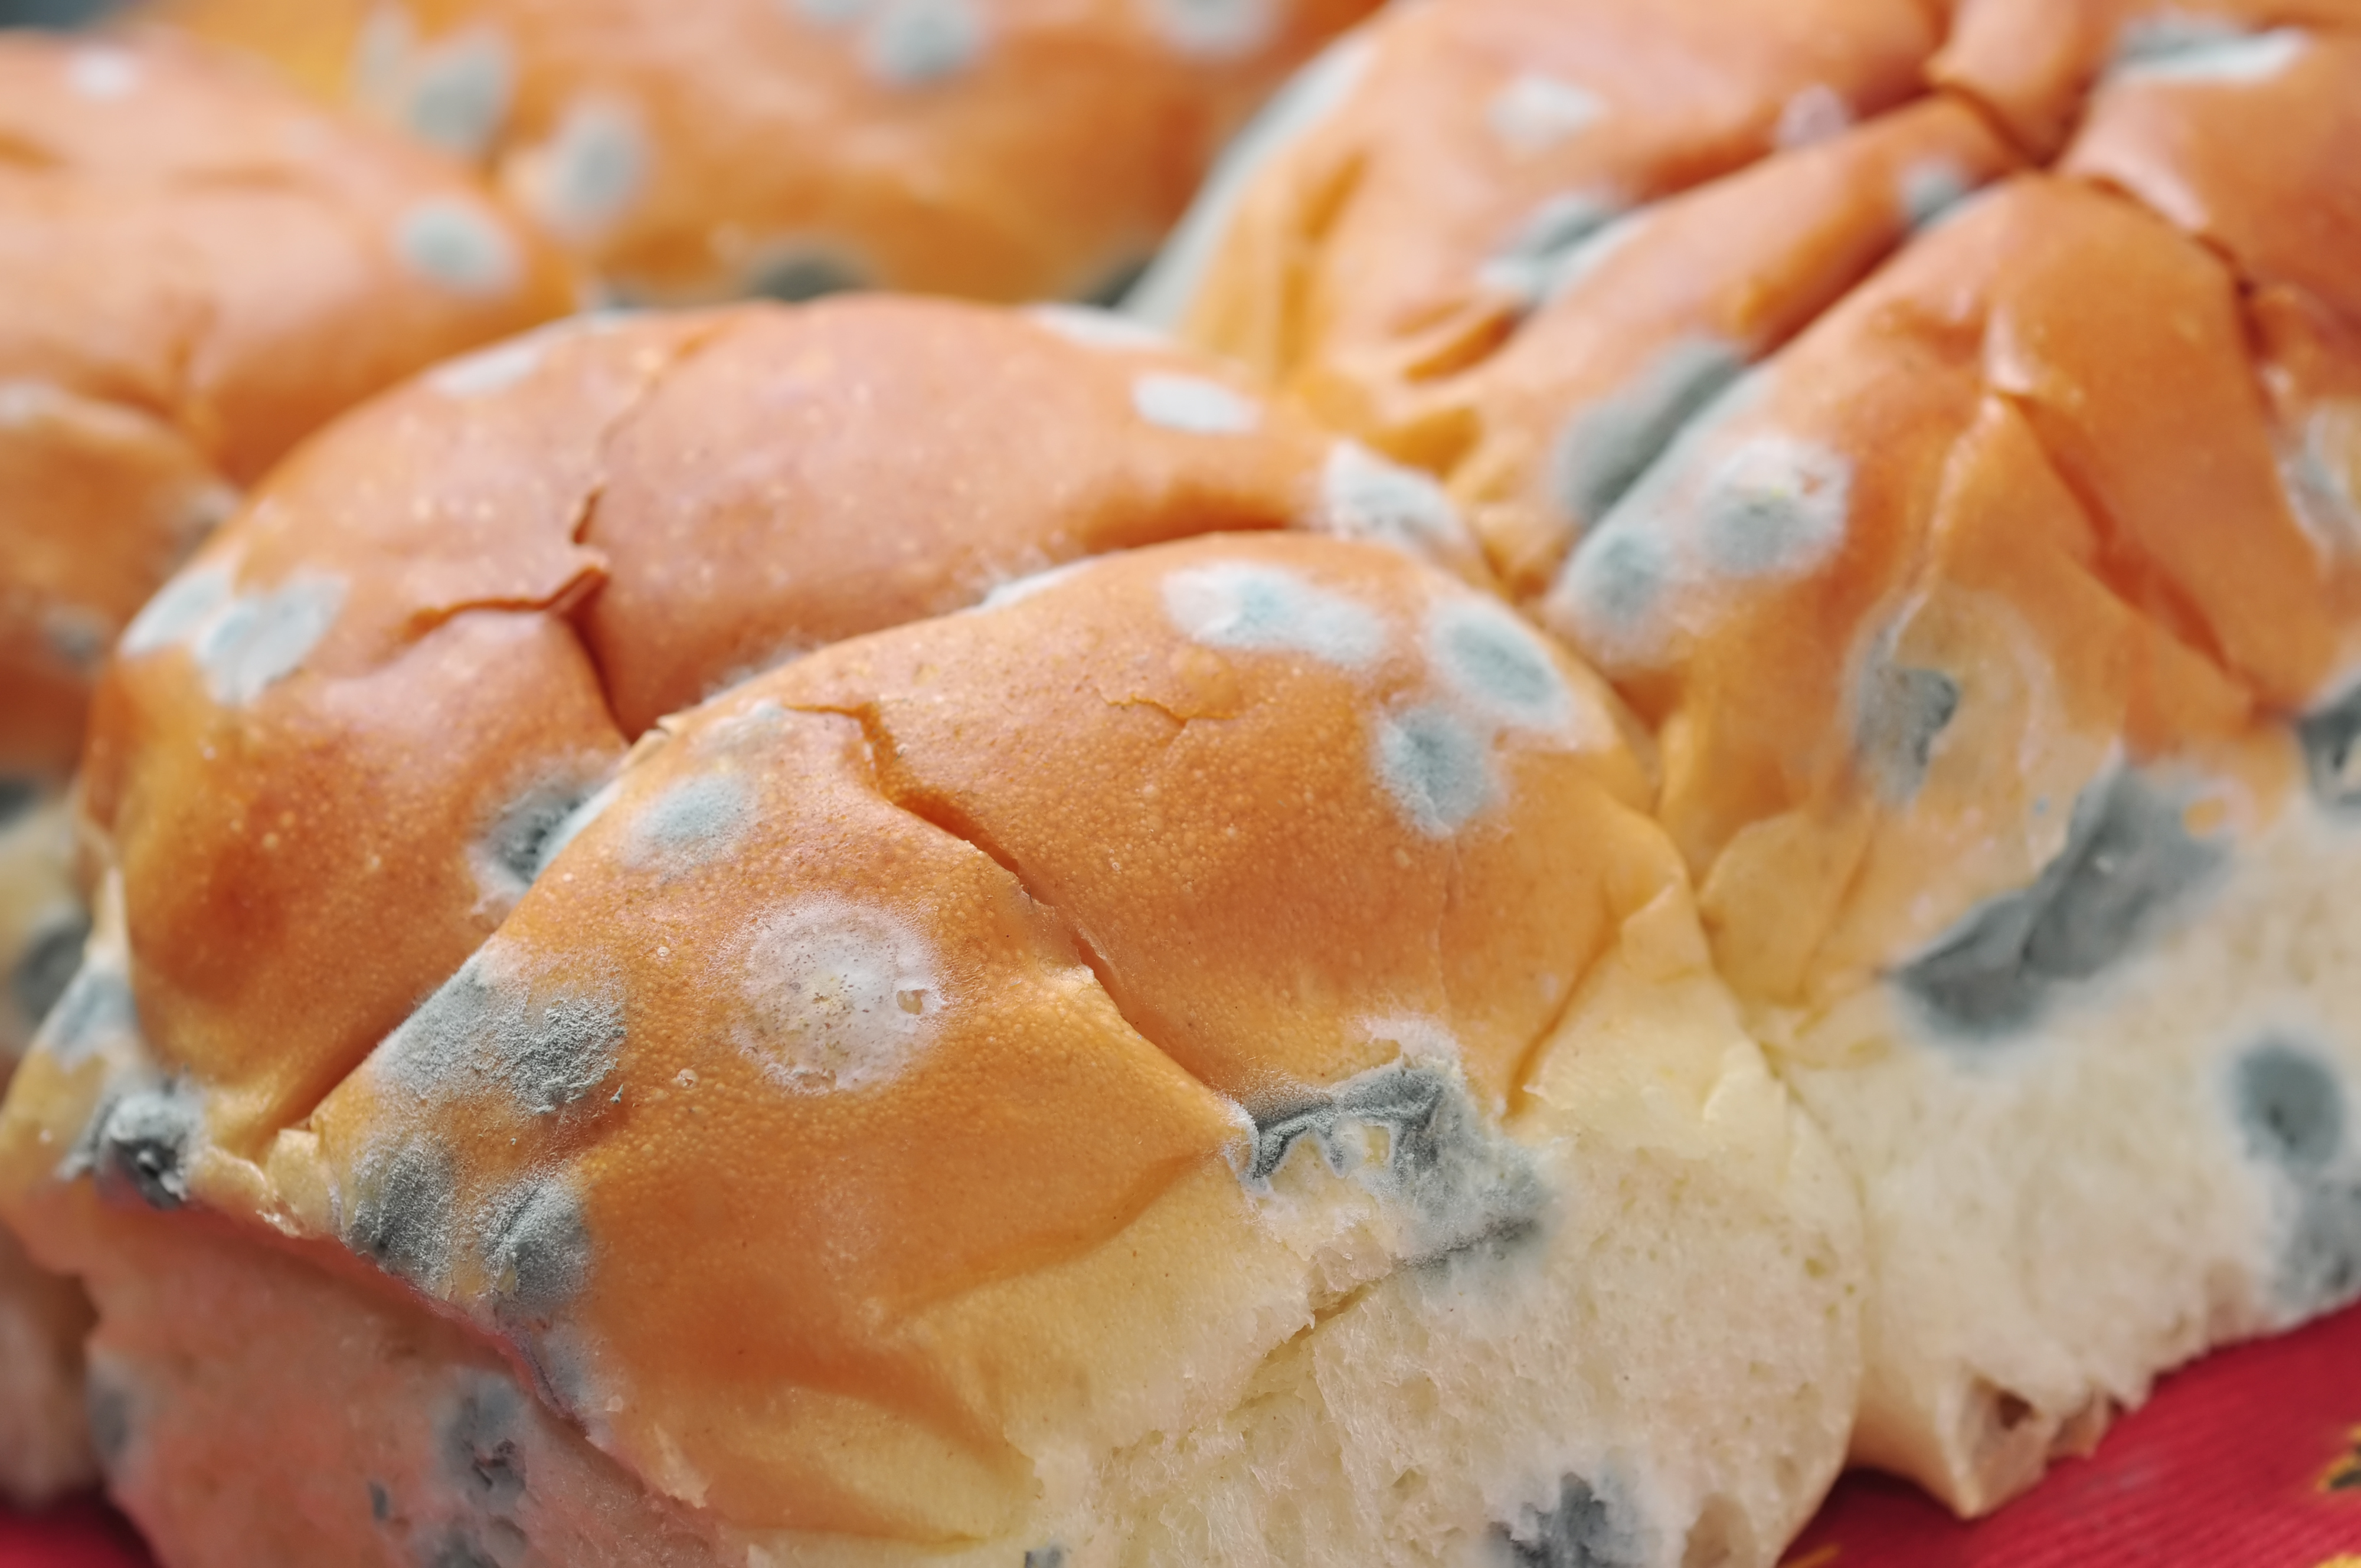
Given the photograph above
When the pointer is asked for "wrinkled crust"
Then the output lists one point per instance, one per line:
(200, 270)
(1960, 485)
(848, 933)
(1290, 1355)
(430, 637)
(1002, 151)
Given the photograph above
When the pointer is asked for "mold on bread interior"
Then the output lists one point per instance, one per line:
(1936, 429)
(897, 1114)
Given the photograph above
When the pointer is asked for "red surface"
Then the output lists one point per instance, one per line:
(2249, 1460)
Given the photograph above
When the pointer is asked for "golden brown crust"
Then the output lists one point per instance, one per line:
(987, 926)
(199, 268)
(1596, 386)
(435, 629)
(1007, 150)
(961, 964)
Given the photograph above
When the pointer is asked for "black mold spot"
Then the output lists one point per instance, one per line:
(380, 1502)
(48, 964)
(2129, 862)
(540, 1251)
(1402, 1101)
(17, 798)
(1579, 1532)
(1046, 1557)
(1901, 712)
(148, 1140)
(2330, 756)
(106, 1405)
(403, 1219)
(480, 1445)
(1467, 1188)
(525, 837)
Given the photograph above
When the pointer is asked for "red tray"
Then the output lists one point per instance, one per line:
(2251, 1459)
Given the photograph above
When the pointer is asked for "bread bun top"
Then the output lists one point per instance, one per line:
(1948, 496)
(771, 1095)
(1002, 149)
(198, 269)
(336, 749)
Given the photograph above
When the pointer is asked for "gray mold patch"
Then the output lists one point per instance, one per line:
(460, 1548)
(2195, 49)
(1465, 1186)
(97, 1007)
(146, 1141)
(42, 974)
(455, 244)
(693, 822)
(482, 1456)
(1365, 496)
(109, 1407)
(2289, 1105)
(1930, 190)
(917, 43)
(1544, 256)
(549, 1052)
(459, 96)
(1535, 111)
(1904, 710)
(1604, 448)
(1045, 1557)
(17, 797)
(1774, 506)
(529, 831)
(1437, 766)
(403, 1217)
(255, 640)
(1497, 665)
(2129, 864)
(1215, 29)
(1267, 609)
(178, 610)
(598, 162)
(1192, 405)
(2331, 737)
(538, 1251)
(1581, 1531)
(792, 275)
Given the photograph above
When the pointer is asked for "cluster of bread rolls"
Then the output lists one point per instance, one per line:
(1000, 150)
(198, 269)
(1671, 801)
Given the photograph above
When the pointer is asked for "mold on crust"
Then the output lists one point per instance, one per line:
(1010, 150)
(1126, 1059)
(1937, 430)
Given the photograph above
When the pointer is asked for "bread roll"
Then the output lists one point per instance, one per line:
(1195, 1055)
(196, 268)
(1969, 511)
(691, 151)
